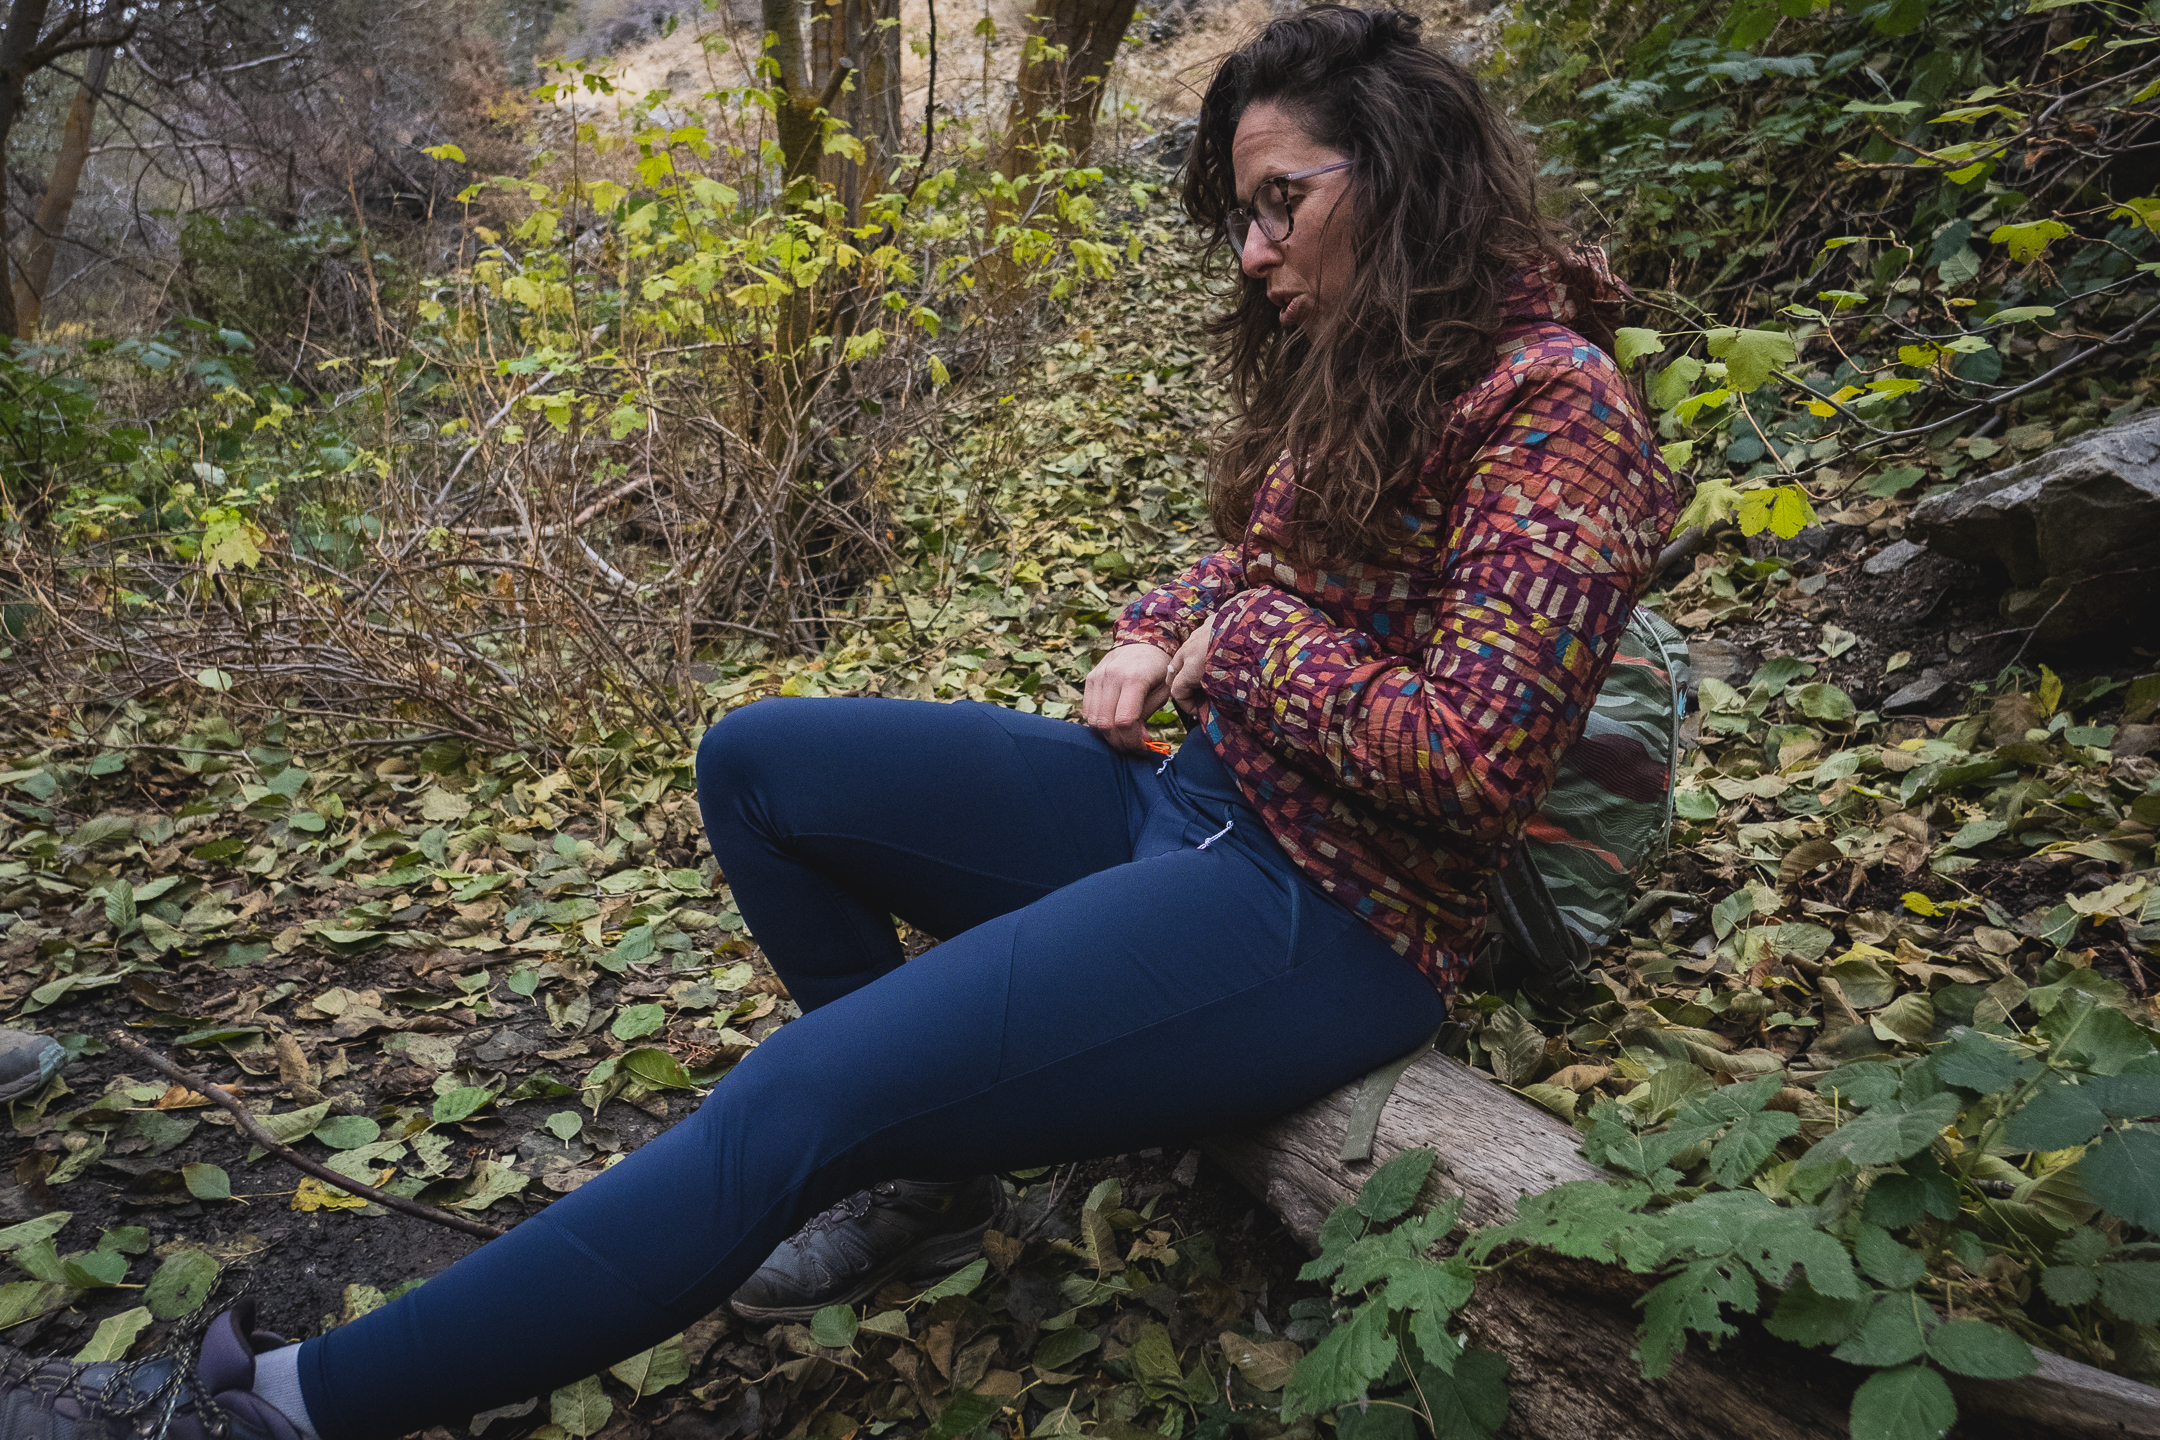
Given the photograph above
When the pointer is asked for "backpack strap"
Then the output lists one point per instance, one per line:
(1372, 1097)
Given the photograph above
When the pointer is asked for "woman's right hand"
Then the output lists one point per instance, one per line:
(1130, 684)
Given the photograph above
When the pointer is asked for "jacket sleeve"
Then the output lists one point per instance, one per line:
(1552, 536)
(1168, 614)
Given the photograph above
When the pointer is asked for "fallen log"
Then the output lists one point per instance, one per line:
(1568, 1327)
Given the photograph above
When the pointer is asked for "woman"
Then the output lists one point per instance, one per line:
(1444, 500)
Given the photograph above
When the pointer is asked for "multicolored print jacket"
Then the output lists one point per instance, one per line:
(1398, 722)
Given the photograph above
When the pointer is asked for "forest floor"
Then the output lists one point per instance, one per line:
(476, 979)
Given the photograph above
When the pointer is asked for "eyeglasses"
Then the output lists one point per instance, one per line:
(1271, 207)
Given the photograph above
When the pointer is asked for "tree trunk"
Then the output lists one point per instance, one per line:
(1568, 1328)
(52, 220)
(796, 120)
(848, 33)
(1063, 67)
(18, 40)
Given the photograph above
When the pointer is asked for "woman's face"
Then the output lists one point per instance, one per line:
(1307, 273)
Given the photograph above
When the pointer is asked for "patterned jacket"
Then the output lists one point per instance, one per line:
(1398, 722)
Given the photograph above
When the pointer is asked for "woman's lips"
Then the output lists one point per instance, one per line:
(1290, 311)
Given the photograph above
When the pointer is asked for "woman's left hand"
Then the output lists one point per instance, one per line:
(1189, 665)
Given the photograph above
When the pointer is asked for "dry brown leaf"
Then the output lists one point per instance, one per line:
(1579, 1077)
(1806, 856)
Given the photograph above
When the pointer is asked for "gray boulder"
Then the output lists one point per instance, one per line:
(2077, 530)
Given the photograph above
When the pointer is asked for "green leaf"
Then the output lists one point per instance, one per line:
(1749, 1142)
(1674, 381)
(94, 1269)
(638, 1021)
(29, 1232)
(1431, 1286)
(1377, 1422)
(1895, 1200)
(2126, 1097)
(961, 1283)
(650, 1371)
(2130, 1288)
(834, 1326)
(657, 1067)
(181, 1284)
(1348, 1359)
(1818, 700)
(2072, 1284)
(1750, 356)
(291, 1127)
(1394, 1187)
(1973, 1061)
(2122, 1175)
(1771, 1238)
(1909, 1403)
(1910, 1017)
(1981, 1350)
(348, 1132)
(206, 1182)
(1886, 1261)
(964, 1415)
(1882, 1135)
(461, 1104)
(1806, 1316)
(2083, 1032)
(1067, 1345)
(565, 1124)
(21, 1300)
(2054, 1118)
(2028, 240)
(1582, 1219)
(1694, 1300)
(1893, 1333)
(1469, 1400)
(581, 1409)
(1635, 343)
(115, 1334)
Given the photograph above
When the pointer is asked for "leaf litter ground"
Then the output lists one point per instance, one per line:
(478, 978)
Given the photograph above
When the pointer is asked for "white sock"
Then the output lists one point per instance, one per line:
(277, 1380)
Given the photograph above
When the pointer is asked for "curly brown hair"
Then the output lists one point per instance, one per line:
(1446, 202)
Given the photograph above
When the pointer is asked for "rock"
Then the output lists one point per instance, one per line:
(1922, 694)
(1893, 557)
(2135, 740)
(1720, 660)
(2077, 530)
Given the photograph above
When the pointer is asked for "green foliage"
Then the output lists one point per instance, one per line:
(1855, 1239)
(1876, 182)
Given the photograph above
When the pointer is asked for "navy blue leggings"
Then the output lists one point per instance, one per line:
(1128, 961)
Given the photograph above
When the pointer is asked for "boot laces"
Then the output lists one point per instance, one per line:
(150, 1411)
(854, 1207)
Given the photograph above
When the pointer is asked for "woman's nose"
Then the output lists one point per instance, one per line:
(1260, 254)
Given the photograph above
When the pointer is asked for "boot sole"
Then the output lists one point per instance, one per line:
(925, 1265)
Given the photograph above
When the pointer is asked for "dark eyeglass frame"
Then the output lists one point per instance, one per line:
(1239, 221)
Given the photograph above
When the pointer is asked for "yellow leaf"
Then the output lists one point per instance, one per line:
(1790, 512)
(314, 1195)
(1919, 904)
(2051, 691)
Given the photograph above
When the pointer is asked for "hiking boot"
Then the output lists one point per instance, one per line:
(916, 1231)
(191, 1390)
(26, 1062)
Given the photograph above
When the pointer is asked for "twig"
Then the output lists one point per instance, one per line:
(253, 1129)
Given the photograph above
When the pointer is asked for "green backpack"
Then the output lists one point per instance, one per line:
(1572, 882)
(1611, 808)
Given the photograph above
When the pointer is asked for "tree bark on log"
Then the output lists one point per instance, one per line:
(1568, 1327)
